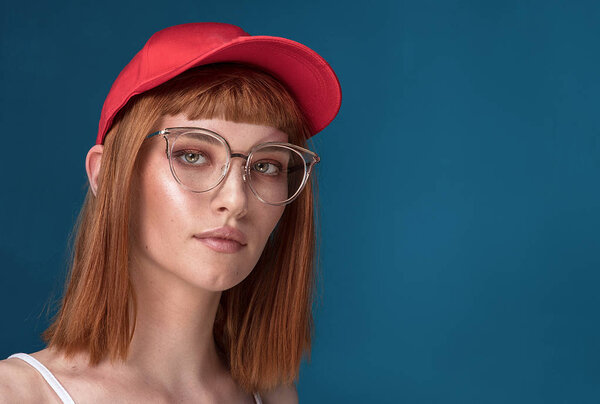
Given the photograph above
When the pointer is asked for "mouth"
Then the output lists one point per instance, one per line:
(221, 245)
(228, 233)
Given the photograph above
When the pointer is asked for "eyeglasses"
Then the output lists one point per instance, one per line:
(199, 160)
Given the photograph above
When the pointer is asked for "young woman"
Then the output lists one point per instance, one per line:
(192, 274)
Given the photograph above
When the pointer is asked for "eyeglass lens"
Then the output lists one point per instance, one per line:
(199, 161)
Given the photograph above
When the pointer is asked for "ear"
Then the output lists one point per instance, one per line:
(92, 166)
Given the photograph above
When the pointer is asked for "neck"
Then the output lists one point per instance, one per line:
(173, 342)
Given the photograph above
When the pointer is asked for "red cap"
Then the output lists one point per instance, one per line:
(173, 50)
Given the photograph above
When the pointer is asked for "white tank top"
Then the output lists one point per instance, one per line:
(55, 384)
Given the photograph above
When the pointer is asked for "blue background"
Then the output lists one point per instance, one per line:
(459, 185)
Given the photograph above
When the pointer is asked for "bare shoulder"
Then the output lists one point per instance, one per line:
(19, 382)
(283, 394)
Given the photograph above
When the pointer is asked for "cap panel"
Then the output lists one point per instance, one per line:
(120, 92)
(176, 46)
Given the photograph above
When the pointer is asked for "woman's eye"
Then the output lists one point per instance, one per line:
(267, 168)
(192, 157)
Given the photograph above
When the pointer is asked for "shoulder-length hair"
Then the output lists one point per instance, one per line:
(263, 326)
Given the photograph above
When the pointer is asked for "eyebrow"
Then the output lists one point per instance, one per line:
(266, 141)
(209, 139)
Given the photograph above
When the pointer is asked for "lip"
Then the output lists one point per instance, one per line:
(221, 245)
(225, 233)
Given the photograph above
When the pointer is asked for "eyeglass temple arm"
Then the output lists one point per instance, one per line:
(160, 132)
(315, 160)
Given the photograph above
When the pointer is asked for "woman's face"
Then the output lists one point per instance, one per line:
(166, 219)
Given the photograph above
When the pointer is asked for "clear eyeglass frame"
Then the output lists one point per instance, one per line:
(170, 135)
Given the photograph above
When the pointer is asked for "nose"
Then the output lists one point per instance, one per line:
(231, 195)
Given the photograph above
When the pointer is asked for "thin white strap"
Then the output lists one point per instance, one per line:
(257, 398)
(56, 386)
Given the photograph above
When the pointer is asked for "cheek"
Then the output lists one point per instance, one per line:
(156, 209)
(268, 220)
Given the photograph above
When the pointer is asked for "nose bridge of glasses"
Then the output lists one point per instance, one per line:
(240, 155)
(242, 165)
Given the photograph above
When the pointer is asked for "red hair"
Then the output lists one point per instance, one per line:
(263, 326)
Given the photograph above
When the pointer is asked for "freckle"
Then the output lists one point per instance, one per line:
(146, 246)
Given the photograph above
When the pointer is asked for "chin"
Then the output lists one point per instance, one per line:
(221, 279)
